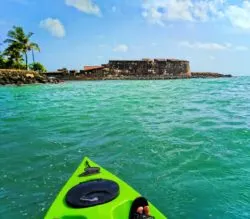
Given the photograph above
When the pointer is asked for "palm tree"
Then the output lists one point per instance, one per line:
(2, 61)
(13, 53)
(33, 47)
(21, 41)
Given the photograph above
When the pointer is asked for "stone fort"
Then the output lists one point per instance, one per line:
(150, 67)
(129, 69)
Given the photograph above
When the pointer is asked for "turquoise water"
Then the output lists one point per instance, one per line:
(184, 144)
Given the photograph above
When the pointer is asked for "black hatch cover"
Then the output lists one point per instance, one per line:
(91, 193)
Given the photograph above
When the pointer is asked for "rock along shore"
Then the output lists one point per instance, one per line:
(141, 77)
(20, 77)
(209, 75)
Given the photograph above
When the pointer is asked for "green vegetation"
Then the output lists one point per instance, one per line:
(37, 66)
(2, 61)
(15, 55)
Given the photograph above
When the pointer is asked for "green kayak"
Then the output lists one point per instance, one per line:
(92, 193)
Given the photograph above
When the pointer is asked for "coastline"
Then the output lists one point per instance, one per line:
(209, 75)
(142, 77)
(145, 69)
(21, 77)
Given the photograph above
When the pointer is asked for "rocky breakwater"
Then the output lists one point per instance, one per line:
(20, 77)
(209, 75)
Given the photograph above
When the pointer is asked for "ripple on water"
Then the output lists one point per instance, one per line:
(184, 144)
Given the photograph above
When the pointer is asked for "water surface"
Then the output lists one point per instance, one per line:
(184, 144)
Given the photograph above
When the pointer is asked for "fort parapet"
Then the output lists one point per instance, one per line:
(150, 67)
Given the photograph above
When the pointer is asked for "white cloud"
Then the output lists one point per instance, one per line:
(212, 46)
(228, 45)
(241, 48)
(121, 48)
(153, 16)
(160, 11)
(114, 9)
(86, 6)
(205, 46)
(239, 16)
(54, 26)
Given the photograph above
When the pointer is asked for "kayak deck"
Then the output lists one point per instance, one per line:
(116, 209)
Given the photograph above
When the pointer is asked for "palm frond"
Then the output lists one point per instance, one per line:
(35, 47)
(10, 41)
(30, 34)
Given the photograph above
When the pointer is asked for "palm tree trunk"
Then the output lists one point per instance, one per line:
(26, 60)
(17, 61)
(33, 56)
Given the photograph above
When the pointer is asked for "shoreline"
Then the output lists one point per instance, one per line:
(143, 69)
(209, 75)
(144, 77)
(22, 77)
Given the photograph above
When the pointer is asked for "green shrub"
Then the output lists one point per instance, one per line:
(2, 62)
(37, 66)
(17, 65)
(10, 64)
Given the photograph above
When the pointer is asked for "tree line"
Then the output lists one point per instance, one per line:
(15, 55)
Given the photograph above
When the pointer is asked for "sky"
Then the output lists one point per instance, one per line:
(214, 35)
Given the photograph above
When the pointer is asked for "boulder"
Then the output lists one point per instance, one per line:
(30, 75)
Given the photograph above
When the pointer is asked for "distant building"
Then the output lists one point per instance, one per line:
(56, 74)
(92, 68)
(166, 67)
(91, 71)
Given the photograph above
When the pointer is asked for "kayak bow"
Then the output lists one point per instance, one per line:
(92, 193)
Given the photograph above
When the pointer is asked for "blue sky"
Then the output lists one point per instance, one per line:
(214, 35)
